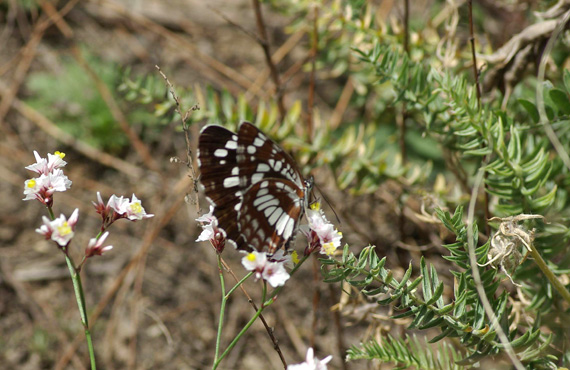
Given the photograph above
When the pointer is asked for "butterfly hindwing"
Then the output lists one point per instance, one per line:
(269, 214)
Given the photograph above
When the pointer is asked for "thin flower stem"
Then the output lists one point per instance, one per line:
(238, 284)
(225, 296)
(245, 328)
(222, 311)
(80, 298)
(51, 214)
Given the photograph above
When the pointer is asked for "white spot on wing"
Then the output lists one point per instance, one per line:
(289, 228)
(268, 201)
(282, 224)
(257, 177)
(231, 144)
(262, 167)
(251, 149)
(220, 153)
(258, 142)
(262, 199)
(275, 216)
(235, 171)
(230, 182)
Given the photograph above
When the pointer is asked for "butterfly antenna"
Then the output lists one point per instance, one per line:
(328, 202)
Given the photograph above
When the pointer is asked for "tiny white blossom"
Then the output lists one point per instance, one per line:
(311, 363)
(321, 232)
(135, 210)
(56, 181)
(95, 246)
(118, 204)
(272, 272)
(61, 230)
(44, 166)
(210, 223)
(32, 188)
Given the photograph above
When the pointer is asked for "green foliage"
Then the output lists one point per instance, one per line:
(409, 353)
(421, 300)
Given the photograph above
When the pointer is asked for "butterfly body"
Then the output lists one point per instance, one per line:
(257, 191)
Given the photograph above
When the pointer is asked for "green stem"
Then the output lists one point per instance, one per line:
(222, 309)
(228, 294)
(51, 214)
(245, 328)
(80, 298)
(560, 288)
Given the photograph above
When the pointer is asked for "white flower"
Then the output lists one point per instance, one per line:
(135, 210)
(44, 166)
(56, 181)
(311, 363)
(272, 272)
(32, 188)
(95, 246)
(209, 228)
(44, 186)
(321, 233)
(61, 230)
(118, 204)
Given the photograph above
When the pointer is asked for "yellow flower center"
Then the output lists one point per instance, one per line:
(59, 154)
(31, 183)
(136, 207)
(251, 257)
(329, 248)
(64, 229)
(315, 206)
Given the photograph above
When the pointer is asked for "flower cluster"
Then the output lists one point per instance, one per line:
(120, 207)
(61, 230)
(322, 234)
(268, 268)
(311, 363)
(50, 179)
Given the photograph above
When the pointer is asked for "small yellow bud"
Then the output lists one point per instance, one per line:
(295, 257)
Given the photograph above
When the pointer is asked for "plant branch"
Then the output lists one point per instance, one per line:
(263, 41)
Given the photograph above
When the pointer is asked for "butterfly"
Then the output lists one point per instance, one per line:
(258, 193)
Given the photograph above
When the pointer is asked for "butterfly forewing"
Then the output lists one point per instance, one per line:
(217, 157)
(269, 214)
